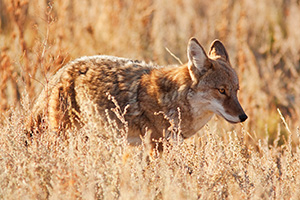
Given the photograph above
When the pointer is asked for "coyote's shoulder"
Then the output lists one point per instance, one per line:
(152, 95)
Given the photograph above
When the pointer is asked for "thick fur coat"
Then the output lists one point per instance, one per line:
(155, 98)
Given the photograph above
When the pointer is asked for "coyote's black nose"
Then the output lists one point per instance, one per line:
(243, 117)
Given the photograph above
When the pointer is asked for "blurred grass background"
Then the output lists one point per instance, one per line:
(37, 37)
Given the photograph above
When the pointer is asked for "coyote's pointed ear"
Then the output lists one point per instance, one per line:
(217, 49)
(198, 59)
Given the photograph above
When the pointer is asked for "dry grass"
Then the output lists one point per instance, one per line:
(259, 159)
(206, 167)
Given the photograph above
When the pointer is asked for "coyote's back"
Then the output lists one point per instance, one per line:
(89, 81)
(190, 93)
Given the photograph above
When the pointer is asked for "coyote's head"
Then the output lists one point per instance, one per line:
(215, 83)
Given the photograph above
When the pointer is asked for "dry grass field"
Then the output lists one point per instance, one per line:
(259, 159)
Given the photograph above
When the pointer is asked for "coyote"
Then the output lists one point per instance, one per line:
(154, 97)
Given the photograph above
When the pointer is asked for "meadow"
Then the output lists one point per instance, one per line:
(259, 159)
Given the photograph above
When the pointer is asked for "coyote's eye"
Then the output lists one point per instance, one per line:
(222, 91)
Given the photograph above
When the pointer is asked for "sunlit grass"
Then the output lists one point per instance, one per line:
(257, 160)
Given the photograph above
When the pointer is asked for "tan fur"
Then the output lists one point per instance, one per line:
(146, 89)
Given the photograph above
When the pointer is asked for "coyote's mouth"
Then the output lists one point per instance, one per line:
(230, 121)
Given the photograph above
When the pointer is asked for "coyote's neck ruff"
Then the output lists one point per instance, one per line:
(156, 99)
